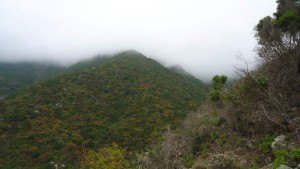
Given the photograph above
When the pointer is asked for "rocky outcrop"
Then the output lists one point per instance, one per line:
(279, 142)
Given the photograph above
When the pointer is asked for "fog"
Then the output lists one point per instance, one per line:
(202, 36)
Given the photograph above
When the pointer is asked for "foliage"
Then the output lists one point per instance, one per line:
(188, 161)
(214, 95)
(108, 157)
(285, 156)
(265, 144)
(261, 81)
(287, 15)
(218, 83)
(127, 100)
(278, 74)
(16, 76)
(264, 102)
(281, 156)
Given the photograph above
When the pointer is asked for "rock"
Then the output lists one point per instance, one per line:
(283, 167)
(250, 144)
(269, 166)
(279, 142)
(268, 160)
(58, 105)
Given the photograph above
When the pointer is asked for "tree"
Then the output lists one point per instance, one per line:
(279, 36)
(218, 83)
(109, 157)
(279, 49)
(287, 15)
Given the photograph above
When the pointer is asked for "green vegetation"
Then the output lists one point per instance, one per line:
(188, 161)
(218, 82)
(128, 100)
(253, 123)
(108, 157)
(284, 156)
(264, 146)
(287, 16)
(94, 62)
(16, 76)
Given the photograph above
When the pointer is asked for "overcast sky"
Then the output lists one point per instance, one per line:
(203, 36)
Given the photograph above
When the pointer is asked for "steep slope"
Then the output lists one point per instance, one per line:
(15, 76)
(255, 121)
(127, 100)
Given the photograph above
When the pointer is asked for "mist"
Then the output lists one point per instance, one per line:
(201, 36)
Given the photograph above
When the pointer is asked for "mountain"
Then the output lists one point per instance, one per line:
(180, 70)
(15, 76)
(128, 100)
(88, 63)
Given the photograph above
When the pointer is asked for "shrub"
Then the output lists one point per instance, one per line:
(218, 83)
(295, 154)
(188, 161)
(215, 95)
(223, 161)
(281, 156)
(265, 145)
(285, 156)
(261, 81)
(109, 157)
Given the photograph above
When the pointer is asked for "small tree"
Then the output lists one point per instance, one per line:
(218, 82)
(109, 157)
(277, 98)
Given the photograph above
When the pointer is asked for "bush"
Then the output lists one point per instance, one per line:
(223, 161)
(280, 157)
(188, 161)
(218, 83)
(265, 145)
(109, 157)
(262, 81)
(286, 157)
(215, 95)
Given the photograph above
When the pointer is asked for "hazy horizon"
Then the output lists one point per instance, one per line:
(202, 37)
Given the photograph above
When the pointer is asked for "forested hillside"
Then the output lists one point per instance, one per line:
(15, 76)
(128, 100)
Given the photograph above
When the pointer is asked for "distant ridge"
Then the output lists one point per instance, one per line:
(16, 76)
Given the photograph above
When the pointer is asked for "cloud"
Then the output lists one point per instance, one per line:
(201, 36)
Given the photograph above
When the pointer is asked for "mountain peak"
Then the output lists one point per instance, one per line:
(126, 100)
(129, 53)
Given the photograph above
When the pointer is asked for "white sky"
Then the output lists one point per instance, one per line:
(203, 36)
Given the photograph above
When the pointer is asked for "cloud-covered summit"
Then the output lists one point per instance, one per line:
(201, 36)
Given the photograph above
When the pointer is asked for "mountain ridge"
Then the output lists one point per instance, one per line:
(16, 76)
(128, 100)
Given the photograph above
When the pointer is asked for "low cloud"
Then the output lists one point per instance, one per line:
(202, 36)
